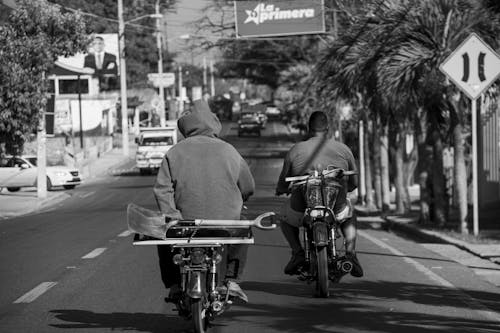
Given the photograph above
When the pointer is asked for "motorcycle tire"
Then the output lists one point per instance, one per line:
(322, 272)
(199, 313)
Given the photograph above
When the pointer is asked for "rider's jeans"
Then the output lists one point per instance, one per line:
(231, 267)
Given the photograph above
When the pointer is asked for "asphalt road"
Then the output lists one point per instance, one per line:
(73, 268)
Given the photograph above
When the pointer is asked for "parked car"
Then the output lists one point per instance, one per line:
(250, 125)
(21, 171)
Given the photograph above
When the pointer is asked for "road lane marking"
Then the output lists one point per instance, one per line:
(94, 253)
(88, 194)
(36, 292)
(126, 233)
(481, 309)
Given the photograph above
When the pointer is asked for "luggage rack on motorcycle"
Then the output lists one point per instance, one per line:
(151, 228)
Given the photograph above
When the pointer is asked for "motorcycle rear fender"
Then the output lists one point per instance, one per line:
(195, 286)
(320, 234)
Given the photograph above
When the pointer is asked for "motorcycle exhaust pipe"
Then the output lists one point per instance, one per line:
(346, 266)
(217, 306)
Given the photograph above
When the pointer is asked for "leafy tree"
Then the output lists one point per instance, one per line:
(36, 34)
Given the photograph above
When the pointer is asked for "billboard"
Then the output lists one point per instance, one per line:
(102, 55)
(279, 17)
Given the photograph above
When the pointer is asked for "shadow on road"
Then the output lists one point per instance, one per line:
(350, 309)
(140, 322)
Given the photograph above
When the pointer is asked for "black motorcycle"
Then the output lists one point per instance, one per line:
(321, 225)
(199, 246)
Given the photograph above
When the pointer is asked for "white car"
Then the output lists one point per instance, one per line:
(21, 171)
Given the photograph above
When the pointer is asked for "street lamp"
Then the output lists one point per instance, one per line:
(123, 70)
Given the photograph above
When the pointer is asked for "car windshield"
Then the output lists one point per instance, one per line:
(32, 160)
(158, 141)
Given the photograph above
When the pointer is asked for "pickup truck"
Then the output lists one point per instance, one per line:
(153, 143)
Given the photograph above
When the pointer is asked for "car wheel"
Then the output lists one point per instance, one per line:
(144, 171)
(49, 184)
(69, 187)
(13, 189)
(239, 134)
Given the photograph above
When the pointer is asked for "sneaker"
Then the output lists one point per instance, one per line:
(357, 270)
(233, 289)
(295, 263)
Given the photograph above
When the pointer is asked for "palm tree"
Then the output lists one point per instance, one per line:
(394, 63)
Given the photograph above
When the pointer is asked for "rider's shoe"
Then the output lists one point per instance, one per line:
(295, 264)
(234, 290)
(357, 270)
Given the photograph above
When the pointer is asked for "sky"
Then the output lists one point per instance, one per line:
(181, 23)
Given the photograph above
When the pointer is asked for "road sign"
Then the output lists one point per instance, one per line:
(473, 66)
(161, 79)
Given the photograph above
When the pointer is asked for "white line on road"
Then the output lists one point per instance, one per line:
(126, 233)
(94, 253)
(482, 310)
(88, 194)
(36, 292)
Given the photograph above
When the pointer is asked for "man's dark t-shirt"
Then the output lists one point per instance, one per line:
(327, 152)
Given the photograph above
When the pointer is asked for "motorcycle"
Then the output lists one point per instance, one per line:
(324, 262)
(199, 246)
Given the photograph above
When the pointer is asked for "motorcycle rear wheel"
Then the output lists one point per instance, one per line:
(322, 272)
(200, 317)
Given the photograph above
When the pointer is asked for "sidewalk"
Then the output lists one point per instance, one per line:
(486, 246)
(25, 201)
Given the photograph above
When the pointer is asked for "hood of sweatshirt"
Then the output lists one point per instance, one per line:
(200, 121)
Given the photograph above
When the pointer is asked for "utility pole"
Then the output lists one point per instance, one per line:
(159, 45)
(181, 97)
(41, 185)
(212, 79)
(204, 74)
(123, 78)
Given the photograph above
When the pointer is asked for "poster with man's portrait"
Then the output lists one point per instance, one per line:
(102, 56)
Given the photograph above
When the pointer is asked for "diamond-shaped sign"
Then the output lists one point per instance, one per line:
(473, 66)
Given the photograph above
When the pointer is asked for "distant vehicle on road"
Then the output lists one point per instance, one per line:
(21, 171)
(272, 111)
(249, 125)
(152, 145)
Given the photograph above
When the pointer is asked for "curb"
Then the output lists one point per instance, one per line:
(50, 201)
(392, 222)
(436, 237)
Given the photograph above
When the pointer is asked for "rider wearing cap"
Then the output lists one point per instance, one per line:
(319, 152)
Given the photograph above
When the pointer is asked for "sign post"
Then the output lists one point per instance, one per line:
(473, 67)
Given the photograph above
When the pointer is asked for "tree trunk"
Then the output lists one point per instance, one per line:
(377, 168)
(438, 183)
(424, 156)
(384, 168)
(410, 164)
(460, 174)
(399, 183)
(370, 202)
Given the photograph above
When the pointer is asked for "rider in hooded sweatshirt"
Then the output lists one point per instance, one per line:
(202, 177)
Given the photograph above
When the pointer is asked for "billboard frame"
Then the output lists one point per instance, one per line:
(323, 23)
